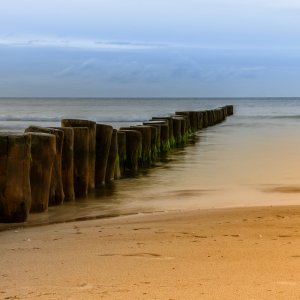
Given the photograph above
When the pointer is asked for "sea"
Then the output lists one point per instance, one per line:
(250, 159)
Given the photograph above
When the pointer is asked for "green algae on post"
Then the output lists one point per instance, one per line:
(158, 125)
(145, 153)
(170, 124)
(15, 191)
(154, 131)
(184, 132)
(133, 144)
(177, 131)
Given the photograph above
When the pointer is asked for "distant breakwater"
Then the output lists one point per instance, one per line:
(47, 166)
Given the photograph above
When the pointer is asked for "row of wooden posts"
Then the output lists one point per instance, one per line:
(47, 166)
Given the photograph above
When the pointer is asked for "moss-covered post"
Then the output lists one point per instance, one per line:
(67, 164)
(177, 131)
(184, 131)
(133, 149)
(170, 123)
(164, 139)
(15, 192)
(57, 195)
(121, 139)
(112, 157)
(185, 113)
(145, 157)
(92, 143)
(103, 140)
(193, 121)
(81, 160)
(158, 125)
(154, 131)
(43, 151)
(200, 119)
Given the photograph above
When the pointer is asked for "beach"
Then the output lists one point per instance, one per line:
(229, 253)
(217, 219)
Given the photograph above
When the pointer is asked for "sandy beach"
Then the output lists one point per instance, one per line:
(236, 253)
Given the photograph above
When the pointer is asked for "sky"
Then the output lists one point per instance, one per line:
(153, 48)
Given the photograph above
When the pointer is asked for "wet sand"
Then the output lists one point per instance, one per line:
(233, 253)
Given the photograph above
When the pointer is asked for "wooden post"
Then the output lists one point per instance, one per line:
(81, 160)
(145, 157)
(184, 132)
(121, 138)
(133, 148)
(158, 125)
(185, 113)
(67, 164)
(177, 131)
(154, 131)
(57, 195)
(43, 151)
(170, 123)
(205, 119)
(15, 192)
(112, 157)
(92, 143)
(103, 140)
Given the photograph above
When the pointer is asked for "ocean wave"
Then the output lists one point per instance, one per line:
(58, 119)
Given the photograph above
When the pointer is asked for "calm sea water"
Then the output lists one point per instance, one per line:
(250, 159)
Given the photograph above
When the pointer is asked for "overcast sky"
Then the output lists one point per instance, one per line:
(138, 48)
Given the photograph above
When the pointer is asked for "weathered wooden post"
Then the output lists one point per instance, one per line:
(216, 112)
(193, 121)
(103, 140)
(112, 157)
(146, 143)
(133, 151)
(205, 119)
(92, 143)
(209, 118)
(170, 123)
(81, 160)
(157, 124)
(15, 192)
(177, 131)
(57, 195)
(67, 163)
(154, 131)
(43, 152)
(185, 113)
(184, 132)
(200, 119)
(121, 138)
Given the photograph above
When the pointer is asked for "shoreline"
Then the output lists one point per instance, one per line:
(220, 253)
(15, 226)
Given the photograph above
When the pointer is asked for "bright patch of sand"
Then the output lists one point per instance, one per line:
(237, 253)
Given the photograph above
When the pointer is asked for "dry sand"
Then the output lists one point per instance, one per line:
(237, 253)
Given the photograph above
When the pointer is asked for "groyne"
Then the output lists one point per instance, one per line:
(47, 166)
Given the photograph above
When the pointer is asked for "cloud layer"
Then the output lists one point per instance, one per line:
(149, 48)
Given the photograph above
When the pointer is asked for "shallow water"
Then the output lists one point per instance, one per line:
(250, 159)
